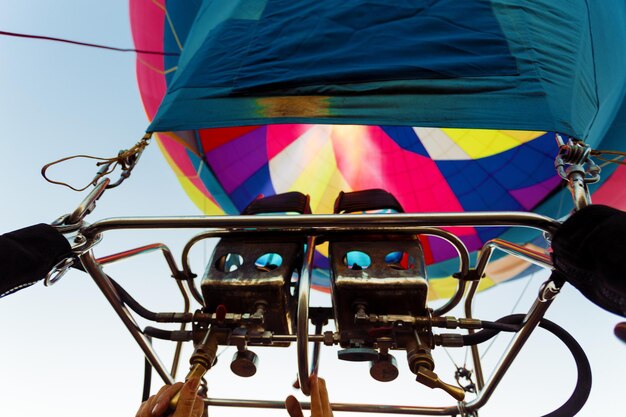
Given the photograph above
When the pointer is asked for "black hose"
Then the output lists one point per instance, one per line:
(496, 325)
(128, 300)
(583, 385)
(582, 390)
(173, 335)
(490, 329)
(132, 303)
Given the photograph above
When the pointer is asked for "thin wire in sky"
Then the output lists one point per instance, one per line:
(91, 45)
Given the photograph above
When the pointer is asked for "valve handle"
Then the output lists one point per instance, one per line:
(430, 379)
(201, 361)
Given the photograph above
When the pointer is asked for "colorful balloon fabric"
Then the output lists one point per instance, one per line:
(426, 169)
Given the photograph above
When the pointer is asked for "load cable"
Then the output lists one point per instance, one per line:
(90, 45)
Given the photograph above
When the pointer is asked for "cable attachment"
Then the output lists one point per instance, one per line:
(574, 156)
(125, 159)
(463, 378)
(573, 163)
(70, 225)
(618, 157)
(464, 412)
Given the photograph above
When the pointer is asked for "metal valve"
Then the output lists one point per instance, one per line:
(421, 364)
(202, 359)
(244, 363)
(384, 368)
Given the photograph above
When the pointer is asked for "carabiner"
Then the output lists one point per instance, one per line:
(58, 271)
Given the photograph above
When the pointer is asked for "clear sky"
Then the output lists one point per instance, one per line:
(63, 352)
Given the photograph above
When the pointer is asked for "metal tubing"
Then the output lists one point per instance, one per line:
(320, 223)
(363, 408)
(302, 344)
(538, 258)
(478, 368)
(483, 259)
(185, 260)
(169, 258)
(171, 262)
(191, 285)
(294, 338)
(454, 240)
(313, 225)
(532, 319)
(454, 301)
(87, 205)
(579, 190)
(463, 253)
(167, 254)
(204, 235)
(315, 361)
(102, 281)
(182, 328)
(529, 255)
(443, 234)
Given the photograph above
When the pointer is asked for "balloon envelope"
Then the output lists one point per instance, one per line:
(289, 74)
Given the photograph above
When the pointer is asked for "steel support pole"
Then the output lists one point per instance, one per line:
(102, 281)
(361, 408)
(302, 342)
(531, 321)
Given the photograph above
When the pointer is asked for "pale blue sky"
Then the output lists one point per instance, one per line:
(63, 350)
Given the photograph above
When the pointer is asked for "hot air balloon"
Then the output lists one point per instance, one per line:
(285, 76)
(452, 108)
(368, 95)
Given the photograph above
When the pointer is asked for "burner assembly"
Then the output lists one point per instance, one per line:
(378, 287)
(254, 280)
(255, 292)
(379, 292)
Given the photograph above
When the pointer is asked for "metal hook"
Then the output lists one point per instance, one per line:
(58, 271)
(129, 158)
(127, 163)
(89, 203)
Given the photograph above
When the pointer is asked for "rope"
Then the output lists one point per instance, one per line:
(91, 45)
(125, 159)
(619, 159)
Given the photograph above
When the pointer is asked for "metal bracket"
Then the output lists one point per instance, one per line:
(471, 275)
(573, 164)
